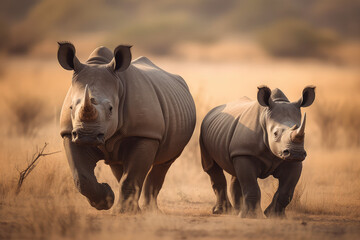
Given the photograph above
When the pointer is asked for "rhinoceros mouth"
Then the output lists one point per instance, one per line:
(81, 138)
(293, 156)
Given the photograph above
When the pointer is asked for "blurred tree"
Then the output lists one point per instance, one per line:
(4, 34)
(342, 15)
(12, 11)
(37, 19)
(296, 38)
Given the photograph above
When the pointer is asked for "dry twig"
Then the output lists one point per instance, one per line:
(32, 165)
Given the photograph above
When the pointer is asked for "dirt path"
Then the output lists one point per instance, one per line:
(179, 220)
(178, 225)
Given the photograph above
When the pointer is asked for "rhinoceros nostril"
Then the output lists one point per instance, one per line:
(286, 153)
(100, 136)
(74, 134)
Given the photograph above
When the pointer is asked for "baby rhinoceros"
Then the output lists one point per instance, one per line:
(132, 114)
(255, 139)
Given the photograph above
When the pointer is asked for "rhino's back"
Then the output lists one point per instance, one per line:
(157, 75)
(230, 130)
(216, 133)
(167, 109)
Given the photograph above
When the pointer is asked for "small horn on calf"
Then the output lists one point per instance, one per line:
(299, 134)
(88, 111)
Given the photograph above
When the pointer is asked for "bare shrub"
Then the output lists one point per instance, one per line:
(23, 174)
(28, 114)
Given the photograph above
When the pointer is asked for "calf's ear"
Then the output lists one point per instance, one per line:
(263, 96)
(66, 57)
(308, 97)
(122, 58)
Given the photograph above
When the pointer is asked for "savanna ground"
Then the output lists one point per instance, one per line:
(326, 203)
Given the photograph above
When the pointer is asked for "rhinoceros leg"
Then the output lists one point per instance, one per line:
(235, 193)
(117, 170)
(218, 183)
(153, 184)
(288, 175)
(247, 172)
(82, 161)
(138, 154)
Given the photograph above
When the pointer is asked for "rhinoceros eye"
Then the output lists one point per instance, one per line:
(71, 107)
(93, 101)
(277, 134)
(110, 109)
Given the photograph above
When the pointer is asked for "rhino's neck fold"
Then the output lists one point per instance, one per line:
(122, 95)
(262, 119)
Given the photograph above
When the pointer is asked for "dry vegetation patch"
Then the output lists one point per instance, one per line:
(325, 204)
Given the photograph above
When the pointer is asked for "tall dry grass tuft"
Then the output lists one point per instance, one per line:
(350, 122)
(326, 120)
(47, 204)
(28, 114)
(52, 218)
(339, 123)
(296, 203)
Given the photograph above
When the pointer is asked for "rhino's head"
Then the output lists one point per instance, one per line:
(95, 93)
(284, 126)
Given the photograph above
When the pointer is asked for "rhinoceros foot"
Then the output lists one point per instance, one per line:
(272, 213)
(152, 208)
(130, 207)
(106, 200)
(224, 208)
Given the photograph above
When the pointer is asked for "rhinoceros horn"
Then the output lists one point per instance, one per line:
(299, 134)
(87, 112)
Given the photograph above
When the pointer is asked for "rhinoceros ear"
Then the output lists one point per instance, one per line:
(308, 97)
(122, 58)
(263, 96)
(66, 57)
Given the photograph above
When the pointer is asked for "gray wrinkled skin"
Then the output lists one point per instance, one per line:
(255, 139)
(132, 114)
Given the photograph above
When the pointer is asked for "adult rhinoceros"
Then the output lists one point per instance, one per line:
(132, 114)
(255, 139)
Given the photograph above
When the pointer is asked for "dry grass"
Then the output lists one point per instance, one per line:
(338, 121)
(28, 114)
(326, 201)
